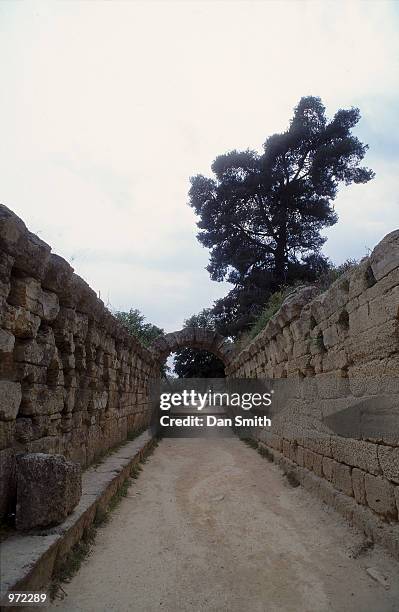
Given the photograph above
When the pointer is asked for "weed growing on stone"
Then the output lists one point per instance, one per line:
(250, 442)
(73, 561)
(266, 453)
(121, 492)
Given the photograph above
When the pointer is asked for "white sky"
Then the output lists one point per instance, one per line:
(107, 109)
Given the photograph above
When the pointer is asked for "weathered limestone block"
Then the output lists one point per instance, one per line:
(359, 488)
(318, 464)
(335, 360)
(379, 342)
(331, 336)
(389, 462)
(357, 453)
(40, 399)
(335, 298)
(31, 254)
(294, 303)
(19, 321)
(48, 488)
(375, 377)
(384, 307)
(7, 365)
(58, 276)
(24, 430)
(6, 264)
(300, 458)
(10, 399)
(332, 385)
(328, 465)
(396, 492)
(341, 478)
(28, 293)
(360, 278)
(380, 496)
(385, 256)
(7, 341)
(31, 351)
(85, 299)
(48, 444)
(308, 458)
(7, 431)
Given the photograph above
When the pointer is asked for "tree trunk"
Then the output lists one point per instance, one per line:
(280, 259)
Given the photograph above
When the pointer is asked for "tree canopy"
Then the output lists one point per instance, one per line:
(261, 215)
(134, 321)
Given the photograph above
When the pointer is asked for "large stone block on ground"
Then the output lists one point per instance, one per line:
(48, 489)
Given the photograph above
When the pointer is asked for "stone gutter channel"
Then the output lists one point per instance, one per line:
(27, 561)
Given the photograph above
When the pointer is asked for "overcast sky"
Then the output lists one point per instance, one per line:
(107, 109)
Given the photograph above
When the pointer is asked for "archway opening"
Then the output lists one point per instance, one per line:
(191, 362)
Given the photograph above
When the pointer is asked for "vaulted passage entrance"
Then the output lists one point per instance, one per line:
(197, 338)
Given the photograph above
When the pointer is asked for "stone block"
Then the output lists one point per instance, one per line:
(389, 462)
(41, 399)
(318, 464)
(359, 489)
(7, 341)
(341, 478)
(384, 307)
(20, 321)
(300, 456)
(7, 430)
(385, 256)
(10, 399)
(396, 493)
(31, 254)
(24, 430)
(357, 453)
(286, 448)
(28, 293)
(380, 496)
(332, 385)
(378, 342)
(48, 489)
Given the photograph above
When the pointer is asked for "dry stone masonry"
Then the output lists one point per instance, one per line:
(72, 380)
(336, 357)
(196, 338)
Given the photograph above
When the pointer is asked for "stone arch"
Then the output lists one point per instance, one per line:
(193, 337)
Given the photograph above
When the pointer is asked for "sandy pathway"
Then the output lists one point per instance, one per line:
(211, 525)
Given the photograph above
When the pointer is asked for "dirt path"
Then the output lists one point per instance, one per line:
(211, 526)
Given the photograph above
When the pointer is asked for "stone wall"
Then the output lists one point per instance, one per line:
(72, 380)
(336, 358)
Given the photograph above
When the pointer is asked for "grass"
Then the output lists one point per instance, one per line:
(72, 562)
(132, 434)
(266, 453)
(262, 450)
(292, 478)
(74, 559)
(250, 442)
